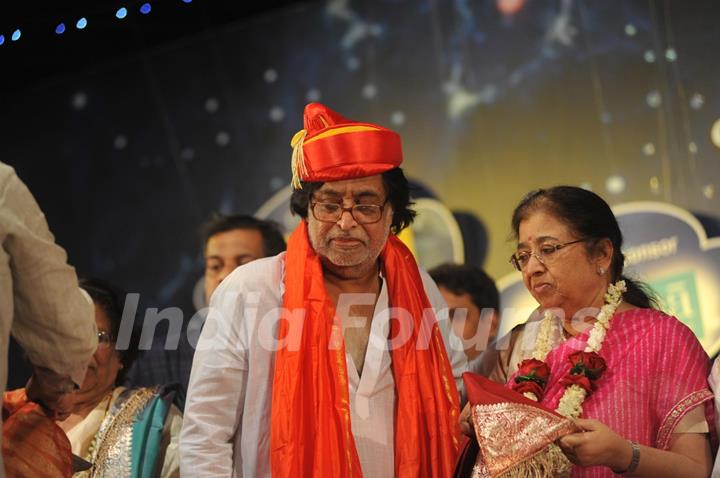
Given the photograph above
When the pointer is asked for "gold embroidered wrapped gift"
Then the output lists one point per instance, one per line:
(515, 435)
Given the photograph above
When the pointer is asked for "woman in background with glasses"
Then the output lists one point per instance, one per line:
(117, 429)
(634, 377)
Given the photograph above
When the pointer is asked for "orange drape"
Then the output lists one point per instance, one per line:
(33, 445)
(310, 423)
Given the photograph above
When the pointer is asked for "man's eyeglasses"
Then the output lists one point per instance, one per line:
(362, 213)
(546, 254)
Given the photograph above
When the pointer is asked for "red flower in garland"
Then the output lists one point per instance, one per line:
(586, 368)
(531, 377)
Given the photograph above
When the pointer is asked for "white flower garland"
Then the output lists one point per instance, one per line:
(570, 405)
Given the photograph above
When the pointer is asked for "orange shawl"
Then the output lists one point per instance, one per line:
(310, 423)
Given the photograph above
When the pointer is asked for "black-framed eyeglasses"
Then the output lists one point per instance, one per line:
(545, 254)
(362, 213)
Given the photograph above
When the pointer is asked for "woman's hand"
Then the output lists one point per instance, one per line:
(466, 424)
(596, 445)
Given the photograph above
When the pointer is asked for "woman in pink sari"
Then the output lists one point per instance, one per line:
(633, 378)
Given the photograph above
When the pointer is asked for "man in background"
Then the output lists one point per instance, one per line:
(232, 241)
(228, 242)
(473, 302)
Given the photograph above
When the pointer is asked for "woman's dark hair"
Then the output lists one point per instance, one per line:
(396, 187)
(111, 300)
(591, 218)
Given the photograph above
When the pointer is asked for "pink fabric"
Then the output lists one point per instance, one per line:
(656, 373)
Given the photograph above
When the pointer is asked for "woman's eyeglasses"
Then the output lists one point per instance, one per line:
(104, 338)
(545, 254)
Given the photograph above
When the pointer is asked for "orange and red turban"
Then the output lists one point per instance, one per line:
(332, 147)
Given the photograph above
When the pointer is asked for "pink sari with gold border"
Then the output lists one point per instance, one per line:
(656, 373)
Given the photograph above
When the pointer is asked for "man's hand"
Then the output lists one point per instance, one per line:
(51, 391)
(596, 445)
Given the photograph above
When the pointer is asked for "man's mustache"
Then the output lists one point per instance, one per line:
(345, 236)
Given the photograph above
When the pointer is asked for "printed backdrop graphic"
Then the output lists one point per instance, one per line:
(129, 155)
(667, 248)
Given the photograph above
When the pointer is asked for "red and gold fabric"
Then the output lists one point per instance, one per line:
(514, 435)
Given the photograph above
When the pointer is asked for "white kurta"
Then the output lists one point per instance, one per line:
(226, 426)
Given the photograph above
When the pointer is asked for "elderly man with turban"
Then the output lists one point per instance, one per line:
(329, 360)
